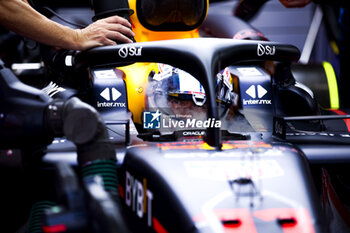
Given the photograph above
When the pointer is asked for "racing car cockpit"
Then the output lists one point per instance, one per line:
(208, 154)
(180, 96)
(166, 175)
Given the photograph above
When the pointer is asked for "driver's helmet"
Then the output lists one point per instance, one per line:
(177, 94)
(178, 18)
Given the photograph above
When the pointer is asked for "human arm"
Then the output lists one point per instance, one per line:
(302, 3)
(18, 16)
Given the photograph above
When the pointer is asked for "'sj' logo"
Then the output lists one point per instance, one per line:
(123, 52)
(265, 50)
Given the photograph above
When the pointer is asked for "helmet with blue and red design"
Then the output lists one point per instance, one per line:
(177, 93)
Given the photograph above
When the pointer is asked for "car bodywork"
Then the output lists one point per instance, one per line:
(209, 181)
(255, 178)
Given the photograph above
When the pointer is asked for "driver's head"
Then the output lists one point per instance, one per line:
(177, 93)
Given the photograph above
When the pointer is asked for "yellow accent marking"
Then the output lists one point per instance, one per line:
(334, 47)
(139, 90)
(332, 85)
(206, 146)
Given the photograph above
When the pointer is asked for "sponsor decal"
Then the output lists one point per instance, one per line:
(193, 133)
(103, 74)
(257, 92)
(265, 50)
(138, 197)
(111, 94)
(126, 51)
(227, 145)
(151, 120)
(249, 71)
(154, 120)
(191, 123)
(107, 95)
(252, 92)
(232, 169)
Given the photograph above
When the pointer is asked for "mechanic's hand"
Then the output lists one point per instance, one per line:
(104, 32)
(295, 3)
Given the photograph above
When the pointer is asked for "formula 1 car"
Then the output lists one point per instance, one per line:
(253, 162)
(214, 180)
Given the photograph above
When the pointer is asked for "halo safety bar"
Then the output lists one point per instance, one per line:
(201, 57)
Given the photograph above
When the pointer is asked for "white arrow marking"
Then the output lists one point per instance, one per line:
(251, 91)
(261, 91)
(115, 94)
(105, 94)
